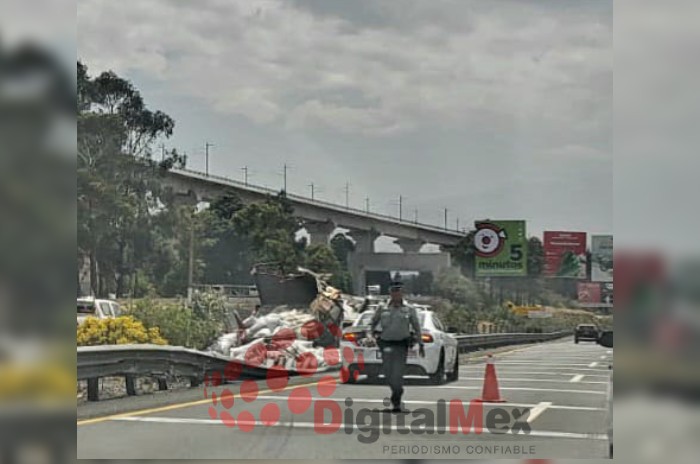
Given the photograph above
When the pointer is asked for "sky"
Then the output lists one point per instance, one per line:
(497, 109)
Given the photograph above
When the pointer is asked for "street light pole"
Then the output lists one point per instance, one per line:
(367, 204)
(347, 195)
(245, 174)
(312, 190)
(400, 207)
(285, 177)
(445, 218)
(206, 157)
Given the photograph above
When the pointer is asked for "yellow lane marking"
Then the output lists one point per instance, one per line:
(176, 406)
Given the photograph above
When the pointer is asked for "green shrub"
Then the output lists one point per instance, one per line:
(195, 327)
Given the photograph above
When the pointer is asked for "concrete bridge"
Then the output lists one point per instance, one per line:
(321, 219)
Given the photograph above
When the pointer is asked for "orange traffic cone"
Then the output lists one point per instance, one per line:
(490, 393)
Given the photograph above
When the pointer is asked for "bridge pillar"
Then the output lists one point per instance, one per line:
(409, 245)
(364, 240)
(319, 232)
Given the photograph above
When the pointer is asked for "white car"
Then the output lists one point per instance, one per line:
(101, 309)
(441, 361)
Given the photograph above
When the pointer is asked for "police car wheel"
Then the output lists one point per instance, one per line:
(454, 375)
(438, 378)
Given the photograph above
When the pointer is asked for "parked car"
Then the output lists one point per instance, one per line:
(587, 332)
(101, 309)
(441, 361)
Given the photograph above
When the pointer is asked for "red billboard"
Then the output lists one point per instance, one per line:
(565, 254)
(589, 293)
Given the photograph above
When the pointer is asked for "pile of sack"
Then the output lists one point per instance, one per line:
(291, 337)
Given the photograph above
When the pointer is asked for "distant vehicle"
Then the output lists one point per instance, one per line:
(587, 332)
(441, 361)
(101, 309)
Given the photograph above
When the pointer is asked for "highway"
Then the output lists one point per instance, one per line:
(556, 397)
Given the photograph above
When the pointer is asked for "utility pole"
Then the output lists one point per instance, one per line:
(367, 205)
(206, 157)
(445, 218)
(162, 152)
(190, 264)
(415, 215)
(285, 177)
(245, 174)
(400, 207)
(347, 195)
(312, 190)
(457, 224)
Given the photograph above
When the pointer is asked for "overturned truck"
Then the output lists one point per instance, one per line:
(300, 317)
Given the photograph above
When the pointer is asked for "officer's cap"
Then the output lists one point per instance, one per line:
(396, 285)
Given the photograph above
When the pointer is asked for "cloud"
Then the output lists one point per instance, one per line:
(435, 64)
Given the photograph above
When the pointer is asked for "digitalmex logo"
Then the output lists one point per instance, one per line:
(300, 398)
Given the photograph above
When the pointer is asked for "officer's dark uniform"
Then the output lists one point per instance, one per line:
(400, 329)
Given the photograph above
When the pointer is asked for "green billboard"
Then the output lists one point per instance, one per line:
(501, 248)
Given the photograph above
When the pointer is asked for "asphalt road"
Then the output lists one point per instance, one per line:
(555, 393)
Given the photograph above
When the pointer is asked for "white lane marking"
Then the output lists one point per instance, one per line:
(609, 351)
(534, 380)
(434, 402)
(537, 410)
(510, 369)
(593, 364)
(517, 363)
(551, 390)
(604, 357)
(520, 371)
(339, 427)
(577, 378)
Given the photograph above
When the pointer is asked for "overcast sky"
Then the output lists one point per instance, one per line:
(492, 109)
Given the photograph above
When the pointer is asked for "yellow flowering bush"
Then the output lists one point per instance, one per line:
(124, 330)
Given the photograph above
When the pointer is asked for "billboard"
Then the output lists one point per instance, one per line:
(589, 293)
(565, 254)
(501, 248)
(602, 258)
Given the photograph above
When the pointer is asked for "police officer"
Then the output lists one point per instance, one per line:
(400, 329)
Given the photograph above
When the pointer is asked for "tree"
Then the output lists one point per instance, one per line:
(342, 246)
(225, 251)
(464, 254)
(118, 185)
(271, 228)
(321, 259)
(535, 257)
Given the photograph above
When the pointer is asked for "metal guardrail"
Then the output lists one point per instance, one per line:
(471, 342)
(163, 362)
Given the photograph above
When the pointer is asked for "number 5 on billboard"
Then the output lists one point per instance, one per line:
(516, 252)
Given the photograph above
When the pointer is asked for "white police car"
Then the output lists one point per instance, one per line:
(441, 361)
